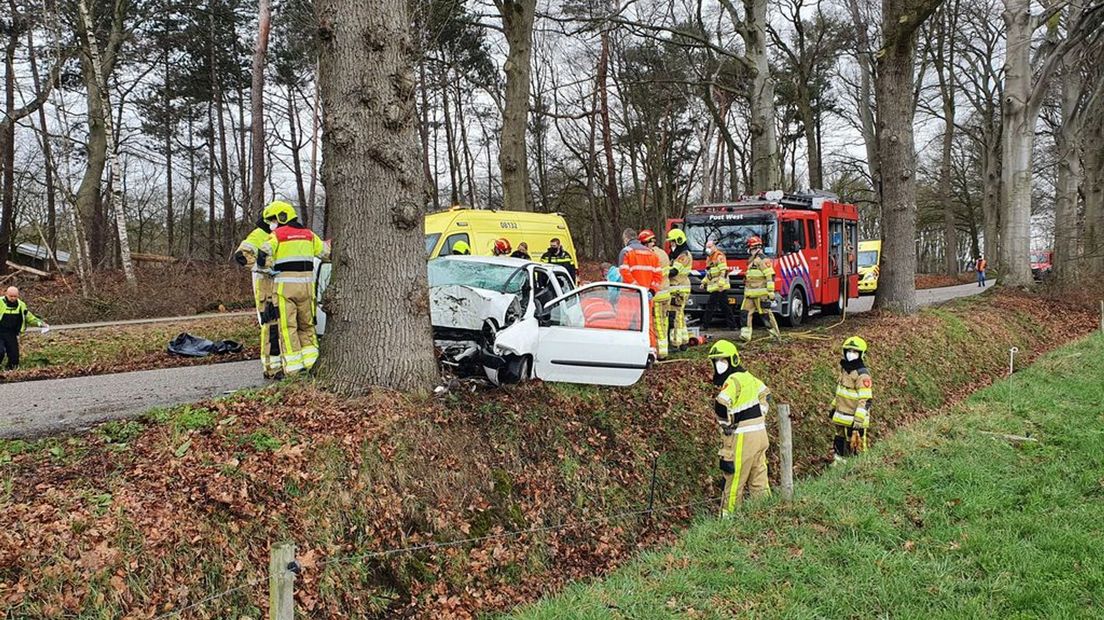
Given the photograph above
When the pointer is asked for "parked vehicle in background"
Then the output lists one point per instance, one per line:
(479, 228)
(1042, 263)
(870, 260)
(811, 237)
(510, 320)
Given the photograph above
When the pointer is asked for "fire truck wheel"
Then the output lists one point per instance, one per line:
(797, 308)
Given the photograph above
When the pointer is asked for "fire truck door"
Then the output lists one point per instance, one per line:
(837, 265)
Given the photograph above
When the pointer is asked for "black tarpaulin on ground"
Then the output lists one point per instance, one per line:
(188, 345)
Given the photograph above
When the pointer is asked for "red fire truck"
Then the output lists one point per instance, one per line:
(811, 237)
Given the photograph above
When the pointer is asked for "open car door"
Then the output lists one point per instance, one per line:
(597, 334)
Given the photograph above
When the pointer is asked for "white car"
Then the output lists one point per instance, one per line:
(511, 320)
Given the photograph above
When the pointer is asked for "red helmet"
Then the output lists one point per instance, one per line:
(646, 236)
(502, 246)
(754, 240)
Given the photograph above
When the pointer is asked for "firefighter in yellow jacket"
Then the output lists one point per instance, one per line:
(267, 316)
(661, 309)
(682, 263)
(291, 250)
(850, 408)
(740, 407)
(758, 288)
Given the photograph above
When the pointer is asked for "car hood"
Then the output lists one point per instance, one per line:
(465, 307)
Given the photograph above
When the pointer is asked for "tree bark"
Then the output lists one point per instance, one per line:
(1019, 117)
(894, 86)
(192, 182)
(7, 144)
(169, 129)
(256, 187)
(316, 112)
(1092, 188)
(613, 196)
(517, 24)
(370, 148)
(226, 240)
(115, 197)
(764, 142)
(294, 131)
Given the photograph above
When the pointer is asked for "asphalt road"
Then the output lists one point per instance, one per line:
(36, 408)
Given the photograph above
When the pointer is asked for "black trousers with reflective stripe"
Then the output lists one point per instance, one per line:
(9, 346)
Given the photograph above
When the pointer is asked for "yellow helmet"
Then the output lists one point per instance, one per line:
(854, 343)
(461, 247)
(676, 236)
(282, 211)
(724, 349)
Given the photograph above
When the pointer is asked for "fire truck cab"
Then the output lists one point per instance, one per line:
(811, 237)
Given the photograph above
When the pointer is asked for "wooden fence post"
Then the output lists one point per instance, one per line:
(281, 582)
(785, 451)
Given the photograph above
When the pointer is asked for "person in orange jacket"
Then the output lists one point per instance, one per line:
(640, 266)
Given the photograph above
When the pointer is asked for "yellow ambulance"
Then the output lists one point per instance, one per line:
(870, 257)
(480, 227)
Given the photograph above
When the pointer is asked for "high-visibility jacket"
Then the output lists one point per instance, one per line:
(851, 405)
(982, 264)
(291, 249)
(15, 317)
(664, 266)
(561, 258)
(759, 279)
(251, 245)
(743, 397)
(716, 272)
(639, 266)
(683, 264)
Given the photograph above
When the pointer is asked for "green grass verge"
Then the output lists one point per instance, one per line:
(938, 521)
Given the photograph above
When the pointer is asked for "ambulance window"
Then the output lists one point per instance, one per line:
(810, 228)
(452, 240)
(431, 242)
(792, 237)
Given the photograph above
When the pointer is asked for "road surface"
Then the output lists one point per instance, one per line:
(36, 408)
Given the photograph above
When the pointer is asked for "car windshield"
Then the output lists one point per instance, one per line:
(501, 278)
(431, 242)
(731, 236)
(868, 258)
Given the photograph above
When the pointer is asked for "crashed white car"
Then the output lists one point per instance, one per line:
(513, 320)
(510, 320)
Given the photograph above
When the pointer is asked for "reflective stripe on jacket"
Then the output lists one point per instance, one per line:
(293, 249)
(745, 397)
(664, 280)
(684, 264)
(15, 318)
(759, 280)
(851, 404)
(716, 272)
(639, 266)
(251, 245)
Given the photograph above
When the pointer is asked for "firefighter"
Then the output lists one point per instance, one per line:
(461, 248)
(682, 262)
(14, 317)
(661, 301)
(715, 281)
(556, 255)
(850, 408)
(758, 287)
(740, 407)
(501, 247)
(267, 315)
(291, 250)
(639, 266)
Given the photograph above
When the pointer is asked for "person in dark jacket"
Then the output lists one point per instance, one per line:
(556, 255)
(522, 251)
(14, 317)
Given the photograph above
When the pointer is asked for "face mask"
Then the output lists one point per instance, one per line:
(721, 366)
(850, 355)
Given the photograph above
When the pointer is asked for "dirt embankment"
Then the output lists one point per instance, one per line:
(135, 519)
(174, 290)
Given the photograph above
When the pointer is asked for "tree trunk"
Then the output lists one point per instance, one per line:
(226, 241)
(114, 198)
(423, 131)
(316, 112)
(517, 23)
(192, 182)
(613, 196)
(894, 86)
(296, 167)
(47, 152)
(370, 148)
(1092, 188)
(867, 114)
(7, 149)
(450, 141)
(256, 187)
(212, 236)
(469, 166)
(170, 220)
(1068, 143)
(943, 59)
(764, 143)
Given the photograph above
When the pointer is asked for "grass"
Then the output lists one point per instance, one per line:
(118, 349)
(938, 521)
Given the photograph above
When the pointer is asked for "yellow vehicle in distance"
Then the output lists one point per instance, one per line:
(870, 257)
(480, 227)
